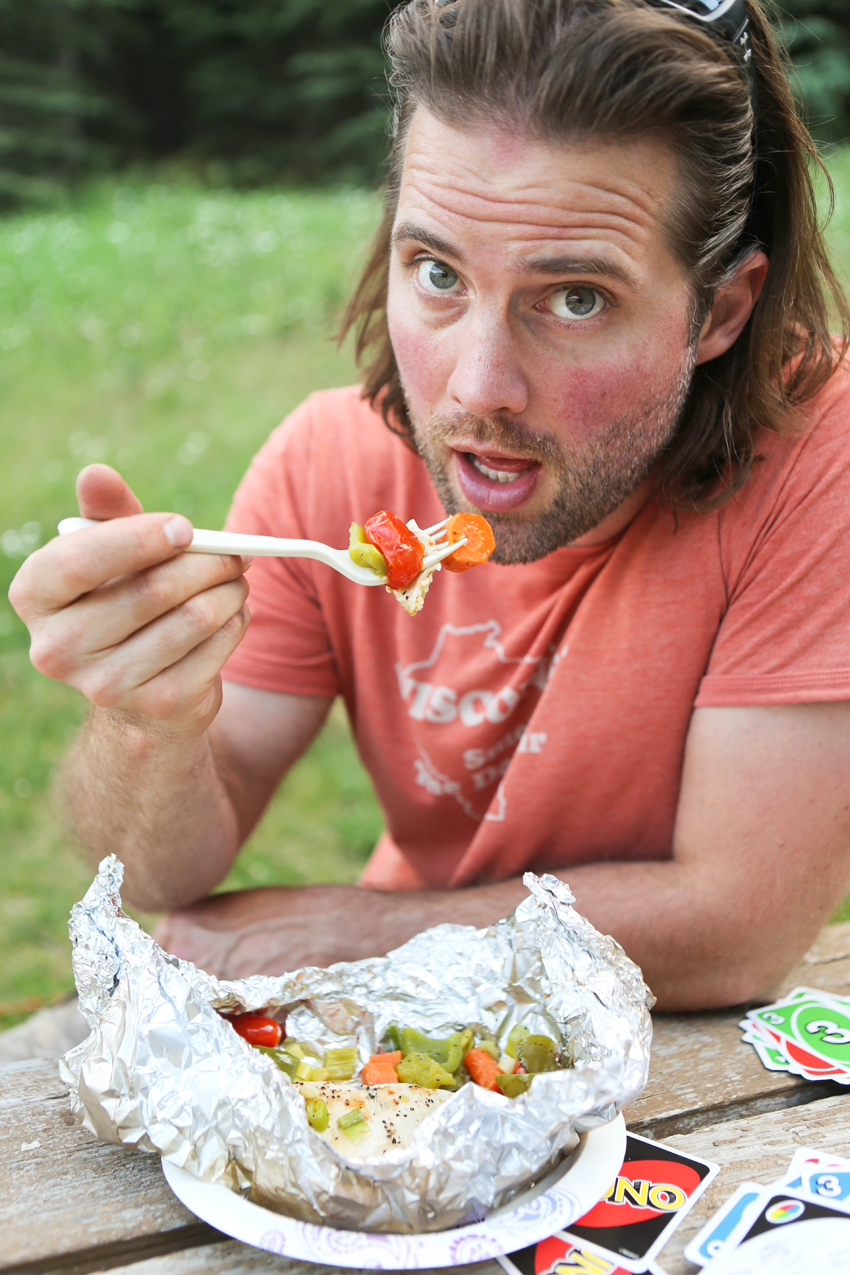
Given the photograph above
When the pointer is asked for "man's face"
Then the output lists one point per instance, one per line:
(540, 324)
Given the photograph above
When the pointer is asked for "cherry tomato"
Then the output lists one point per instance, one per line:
(257, 1029)
(401, 549)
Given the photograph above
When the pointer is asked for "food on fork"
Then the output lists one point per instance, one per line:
(397, 550)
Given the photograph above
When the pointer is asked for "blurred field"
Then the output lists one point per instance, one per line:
(165, 330)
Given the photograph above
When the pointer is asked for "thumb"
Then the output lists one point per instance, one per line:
(102, 494)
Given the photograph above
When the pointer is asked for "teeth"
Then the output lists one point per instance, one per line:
(496, 475)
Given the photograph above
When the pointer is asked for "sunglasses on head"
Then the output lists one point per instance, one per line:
(729, 17)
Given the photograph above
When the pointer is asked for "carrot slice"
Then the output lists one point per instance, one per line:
(380, 1069)
(479, 541)
(483, 1068)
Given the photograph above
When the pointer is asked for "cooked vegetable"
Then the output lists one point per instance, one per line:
(317, 1114)
(511, 1086)
(448, 1052)
(381, 1069)
(402, 551)
(480, 542)
(292, 1046)
(537, 1053)
(364, 554)
(490, 1047)
(257, 1029)
(285, 1062)
(517, 1034)
(353, 1124)
(421, 1069)
(483, 1069)
(341, 1063)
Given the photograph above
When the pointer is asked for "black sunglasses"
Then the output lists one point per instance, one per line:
(729, 17)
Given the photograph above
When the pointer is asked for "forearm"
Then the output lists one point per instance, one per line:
(159, 804)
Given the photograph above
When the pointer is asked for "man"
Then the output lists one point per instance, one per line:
(594, 317)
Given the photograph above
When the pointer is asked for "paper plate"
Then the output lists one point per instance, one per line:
(566, 1194)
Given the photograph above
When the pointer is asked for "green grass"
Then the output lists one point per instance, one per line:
(165, 330)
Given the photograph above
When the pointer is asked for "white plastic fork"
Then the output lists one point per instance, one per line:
(274, 547)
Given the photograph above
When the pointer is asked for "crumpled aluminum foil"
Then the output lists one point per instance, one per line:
(163, 1071)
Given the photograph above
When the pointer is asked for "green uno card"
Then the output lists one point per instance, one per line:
(813, 1020)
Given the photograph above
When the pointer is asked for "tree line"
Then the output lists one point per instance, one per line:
(252, 91)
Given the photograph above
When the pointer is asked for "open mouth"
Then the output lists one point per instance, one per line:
(496, 483)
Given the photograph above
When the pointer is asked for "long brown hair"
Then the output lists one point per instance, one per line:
(561, 70)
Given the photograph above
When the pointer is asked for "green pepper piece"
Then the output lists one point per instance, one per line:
(517, 1034)
(422, 1069)
(317, 1114)
(395, 1036)
(490, 1047)
(353, 1124)
(446, 1052)
(511, 1086)
(537, 1053)
(364, 554)
(285, 1062)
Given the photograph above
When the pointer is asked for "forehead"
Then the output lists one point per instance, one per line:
(488, 184)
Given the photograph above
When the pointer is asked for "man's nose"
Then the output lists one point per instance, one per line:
(488, 378)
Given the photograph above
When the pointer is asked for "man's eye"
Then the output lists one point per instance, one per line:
(576, 302)
(435, 276)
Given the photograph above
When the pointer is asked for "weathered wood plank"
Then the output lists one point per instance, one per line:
(63, 1192)
(759, 1149)
(233, 1258)
(701, 1073)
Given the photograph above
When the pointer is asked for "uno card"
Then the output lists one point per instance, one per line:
(558, 1256)
(806, 1159)
(713, 1237)
(651, 1194)
(777, 1209)
(812, 1021)
(832, 1185)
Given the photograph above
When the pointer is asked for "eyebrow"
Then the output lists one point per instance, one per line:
(544, 265)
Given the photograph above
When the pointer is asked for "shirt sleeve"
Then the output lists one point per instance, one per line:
(785, 555)
(287, 646)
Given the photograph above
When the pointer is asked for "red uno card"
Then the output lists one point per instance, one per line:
(653, 1191)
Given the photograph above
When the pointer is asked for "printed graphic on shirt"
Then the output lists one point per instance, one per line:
(430, 691)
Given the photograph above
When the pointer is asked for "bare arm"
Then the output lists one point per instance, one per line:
(761, 856)
(159, 775)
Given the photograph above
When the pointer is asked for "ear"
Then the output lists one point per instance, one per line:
(732, 307)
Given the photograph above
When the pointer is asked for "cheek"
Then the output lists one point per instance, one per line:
(620, 381)
(418, 353)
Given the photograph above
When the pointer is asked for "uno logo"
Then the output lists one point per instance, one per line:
(784, 1211)
(643, 1189)
(559, 1257)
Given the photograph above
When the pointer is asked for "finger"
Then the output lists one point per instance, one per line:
(102, 494)
(71, 566)
(113, 613)
(189, 691)
(110, 679)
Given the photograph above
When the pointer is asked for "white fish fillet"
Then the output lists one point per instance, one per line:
(394, 1112)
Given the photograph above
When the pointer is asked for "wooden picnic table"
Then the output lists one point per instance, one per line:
(69, 1203)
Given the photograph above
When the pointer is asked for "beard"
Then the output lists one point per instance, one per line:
(590, 481)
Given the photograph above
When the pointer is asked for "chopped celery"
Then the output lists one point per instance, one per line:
(511, 1086)
(516, 1036)
(291, 1046)
(320, 1073)
(304, 1070)
(317, 1114)
(353, 1124)
(285, 1062)
(490, 1047)
(364, 554)
(537, 1053)
(341, 1063)
(421, 1069)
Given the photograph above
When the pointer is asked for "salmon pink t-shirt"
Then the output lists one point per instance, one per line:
(534, 717)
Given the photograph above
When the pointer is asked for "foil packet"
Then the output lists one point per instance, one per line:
(163, 1071)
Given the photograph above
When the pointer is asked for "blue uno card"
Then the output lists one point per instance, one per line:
(708, 1242)
(828, 1184)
